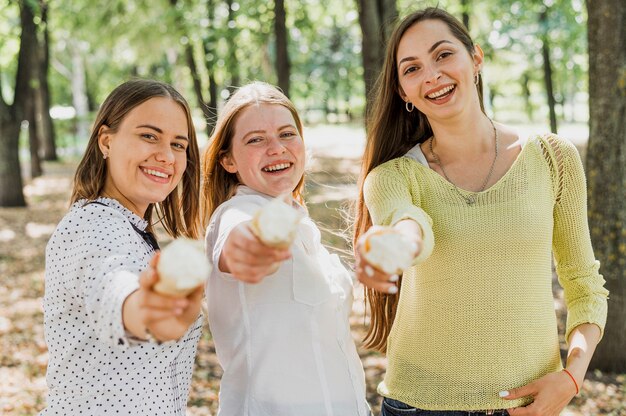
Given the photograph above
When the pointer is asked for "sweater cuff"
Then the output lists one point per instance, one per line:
(594, 313)
(125, 285)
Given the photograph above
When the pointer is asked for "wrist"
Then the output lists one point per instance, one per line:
(130, 316)
(573, 380)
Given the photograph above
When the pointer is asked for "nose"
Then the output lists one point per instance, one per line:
(433, 75)
(275, 146)
(165, 154)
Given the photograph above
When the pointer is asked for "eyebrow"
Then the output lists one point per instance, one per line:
(158, 130)
(432, 48)
(264, 131)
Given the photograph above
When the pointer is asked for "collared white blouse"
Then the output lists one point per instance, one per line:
(285, 343)
(92, 264)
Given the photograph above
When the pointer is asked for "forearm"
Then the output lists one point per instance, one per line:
(582, 344)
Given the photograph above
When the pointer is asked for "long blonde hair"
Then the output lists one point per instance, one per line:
(218, 185)
(391, 132)
(178, 213)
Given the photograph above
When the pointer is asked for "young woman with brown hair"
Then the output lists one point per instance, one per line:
(104, 325)
(471, 329)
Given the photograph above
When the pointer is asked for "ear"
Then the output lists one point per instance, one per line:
(104, 139)
(402, 94)
(478, 57)
(228, 163)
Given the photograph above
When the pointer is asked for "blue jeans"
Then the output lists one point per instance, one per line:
(391, 407)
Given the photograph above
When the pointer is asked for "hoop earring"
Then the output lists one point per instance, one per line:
(477, 78)
(409, 106)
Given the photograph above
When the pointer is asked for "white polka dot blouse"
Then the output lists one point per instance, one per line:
(93, 260)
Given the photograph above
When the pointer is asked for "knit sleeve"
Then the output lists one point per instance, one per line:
(390, 196)
(576, 266)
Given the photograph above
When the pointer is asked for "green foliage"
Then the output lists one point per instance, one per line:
(119, 39)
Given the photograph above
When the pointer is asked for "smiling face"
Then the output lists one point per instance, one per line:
(436, 71)
(267, 150)
(146, 156)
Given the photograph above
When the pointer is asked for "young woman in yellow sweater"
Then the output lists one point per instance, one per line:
(471, 327)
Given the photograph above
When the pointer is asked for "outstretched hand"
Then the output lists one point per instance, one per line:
(247, 258)
(369, 274)
(167, 318)
(551, 393)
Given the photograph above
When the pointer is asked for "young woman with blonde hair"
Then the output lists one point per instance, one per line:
(471, 329)
(278, 316)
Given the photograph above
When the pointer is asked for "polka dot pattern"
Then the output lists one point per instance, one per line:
(95, 367)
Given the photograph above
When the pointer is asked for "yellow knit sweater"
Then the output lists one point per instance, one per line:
(476, 312)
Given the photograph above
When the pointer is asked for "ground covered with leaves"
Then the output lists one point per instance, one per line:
(23, 353)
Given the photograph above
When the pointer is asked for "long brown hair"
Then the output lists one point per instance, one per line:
(218, 185)
(178, 213)
(391, 132)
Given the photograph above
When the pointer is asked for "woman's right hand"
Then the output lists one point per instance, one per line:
(369, 274)
(247, 258)
(166, 317)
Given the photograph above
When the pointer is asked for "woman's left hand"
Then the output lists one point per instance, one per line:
(551, 393)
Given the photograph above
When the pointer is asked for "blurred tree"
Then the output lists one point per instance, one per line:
(465, 9)
(44, 122)
(547, 66)
(606, 168)
(11, 116)
(282, 64)
(191, 63)
(231, 41)
(32, 103)
(544, 42)
(376, 18)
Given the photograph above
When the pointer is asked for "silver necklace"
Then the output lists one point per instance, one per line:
(470, 199)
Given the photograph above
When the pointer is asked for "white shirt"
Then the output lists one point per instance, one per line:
(284, 343)
(92, 264)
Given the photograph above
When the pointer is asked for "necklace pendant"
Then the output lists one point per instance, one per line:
(470, 200)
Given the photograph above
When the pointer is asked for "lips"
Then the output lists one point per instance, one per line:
(277, 167)
(157, 174)
(441, 93)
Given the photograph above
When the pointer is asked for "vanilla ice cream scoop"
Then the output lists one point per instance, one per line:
(389, 251)
(182, 267)
(276, 224)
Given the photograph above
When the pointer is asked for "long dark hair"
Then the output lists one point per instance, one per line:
(391, 132)
(179, 212)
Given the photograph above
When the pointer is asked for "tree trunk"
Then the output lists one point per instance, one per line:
(283, 68)
(209, 61)
(11, 185)
(48, 146)
(193, 69)
(389, 12)
(231, 39)
(11, 188)
(528, 105)
(465, 8)
(197, 83)
(30, 109)
(547, 68)
(606, 168)
(33, 103)
(79, 94)
(375, 18)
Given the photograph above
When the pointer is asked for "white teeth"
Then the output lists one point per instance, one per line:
(280, 166)
(441, 92)
(156, 173)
